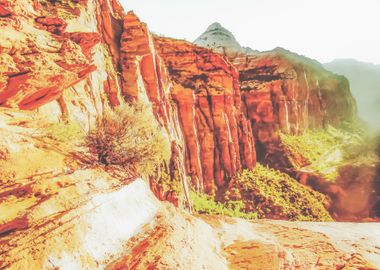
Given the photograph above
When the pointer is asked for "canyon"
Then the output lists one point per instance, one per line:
(222, 112)
(282, 91)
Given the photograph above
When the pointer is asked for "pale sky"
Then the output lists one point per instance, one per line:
(320, 29)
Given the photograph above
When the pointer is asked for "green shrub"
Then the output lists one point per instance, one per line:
(129, 137)
(272, 194)
(204, 204)
(168, 184)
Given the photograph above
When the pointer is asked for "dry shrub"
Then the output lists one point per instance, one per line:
(129, 137)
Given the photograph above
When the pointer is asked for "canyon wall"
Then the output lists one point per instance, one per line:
(288, 93)
(60, 57)
(73, 60)
(195, 95)
(282, 92)
(218, 137)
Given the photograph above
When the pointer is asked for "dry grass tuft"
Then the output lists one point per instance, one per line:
(129, 137)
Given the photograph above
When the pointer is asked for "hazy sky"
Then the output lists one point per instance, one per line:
(320, 29)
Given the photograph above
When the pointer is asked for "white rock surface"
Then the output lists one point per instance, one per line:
(221, 40)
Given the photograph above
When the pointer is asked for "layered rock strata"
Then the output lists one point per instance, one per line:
(283, 92)
(218, 137)
(70, 67)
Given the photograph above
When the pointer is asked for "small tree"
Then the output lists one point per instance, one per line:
(129, 137)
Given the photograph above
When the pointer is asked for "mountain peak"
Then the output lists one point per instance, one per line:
(220, 40)
(215, 26)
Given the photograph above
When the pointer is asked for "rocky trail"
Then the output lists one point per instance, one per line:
(173, 242)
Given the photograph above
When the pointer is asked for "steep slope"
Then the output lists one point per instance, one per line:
(217, 141)
(287, 93)
(206, 90)
(365, 86)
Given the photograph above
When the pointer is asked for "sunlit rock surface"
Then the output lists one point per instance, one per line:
(59, 213)
(206, 90)
(71, 60)
(58, 54)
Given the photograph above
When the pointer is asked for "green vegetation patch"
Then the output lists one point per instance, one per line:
(325, 151)
(313, 144)
(272, 194)
(65, 131)
(205, 204)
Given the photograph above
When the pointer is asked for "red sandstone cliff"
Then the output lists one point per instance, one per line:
(212, 111)
(61, 57)
(282, 92)
(288, 93)
(196, 94)
(68, 68)
(218, 137)
(292, 92)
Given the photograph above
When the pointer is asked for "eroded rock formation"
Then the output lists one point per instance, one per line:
(290, 93)
(206, 90)
(67, 67)
(284, 92)
(194, 92)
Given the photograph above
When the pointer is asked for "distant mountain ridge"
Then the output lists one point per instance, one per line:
(365, 86)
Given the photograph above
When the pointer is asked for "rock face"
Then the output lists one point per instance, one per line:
(83, 67)
(218, 137)
(286, 92)
(47, 48)
(34, 72)
(195, 94)
(144, 75)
